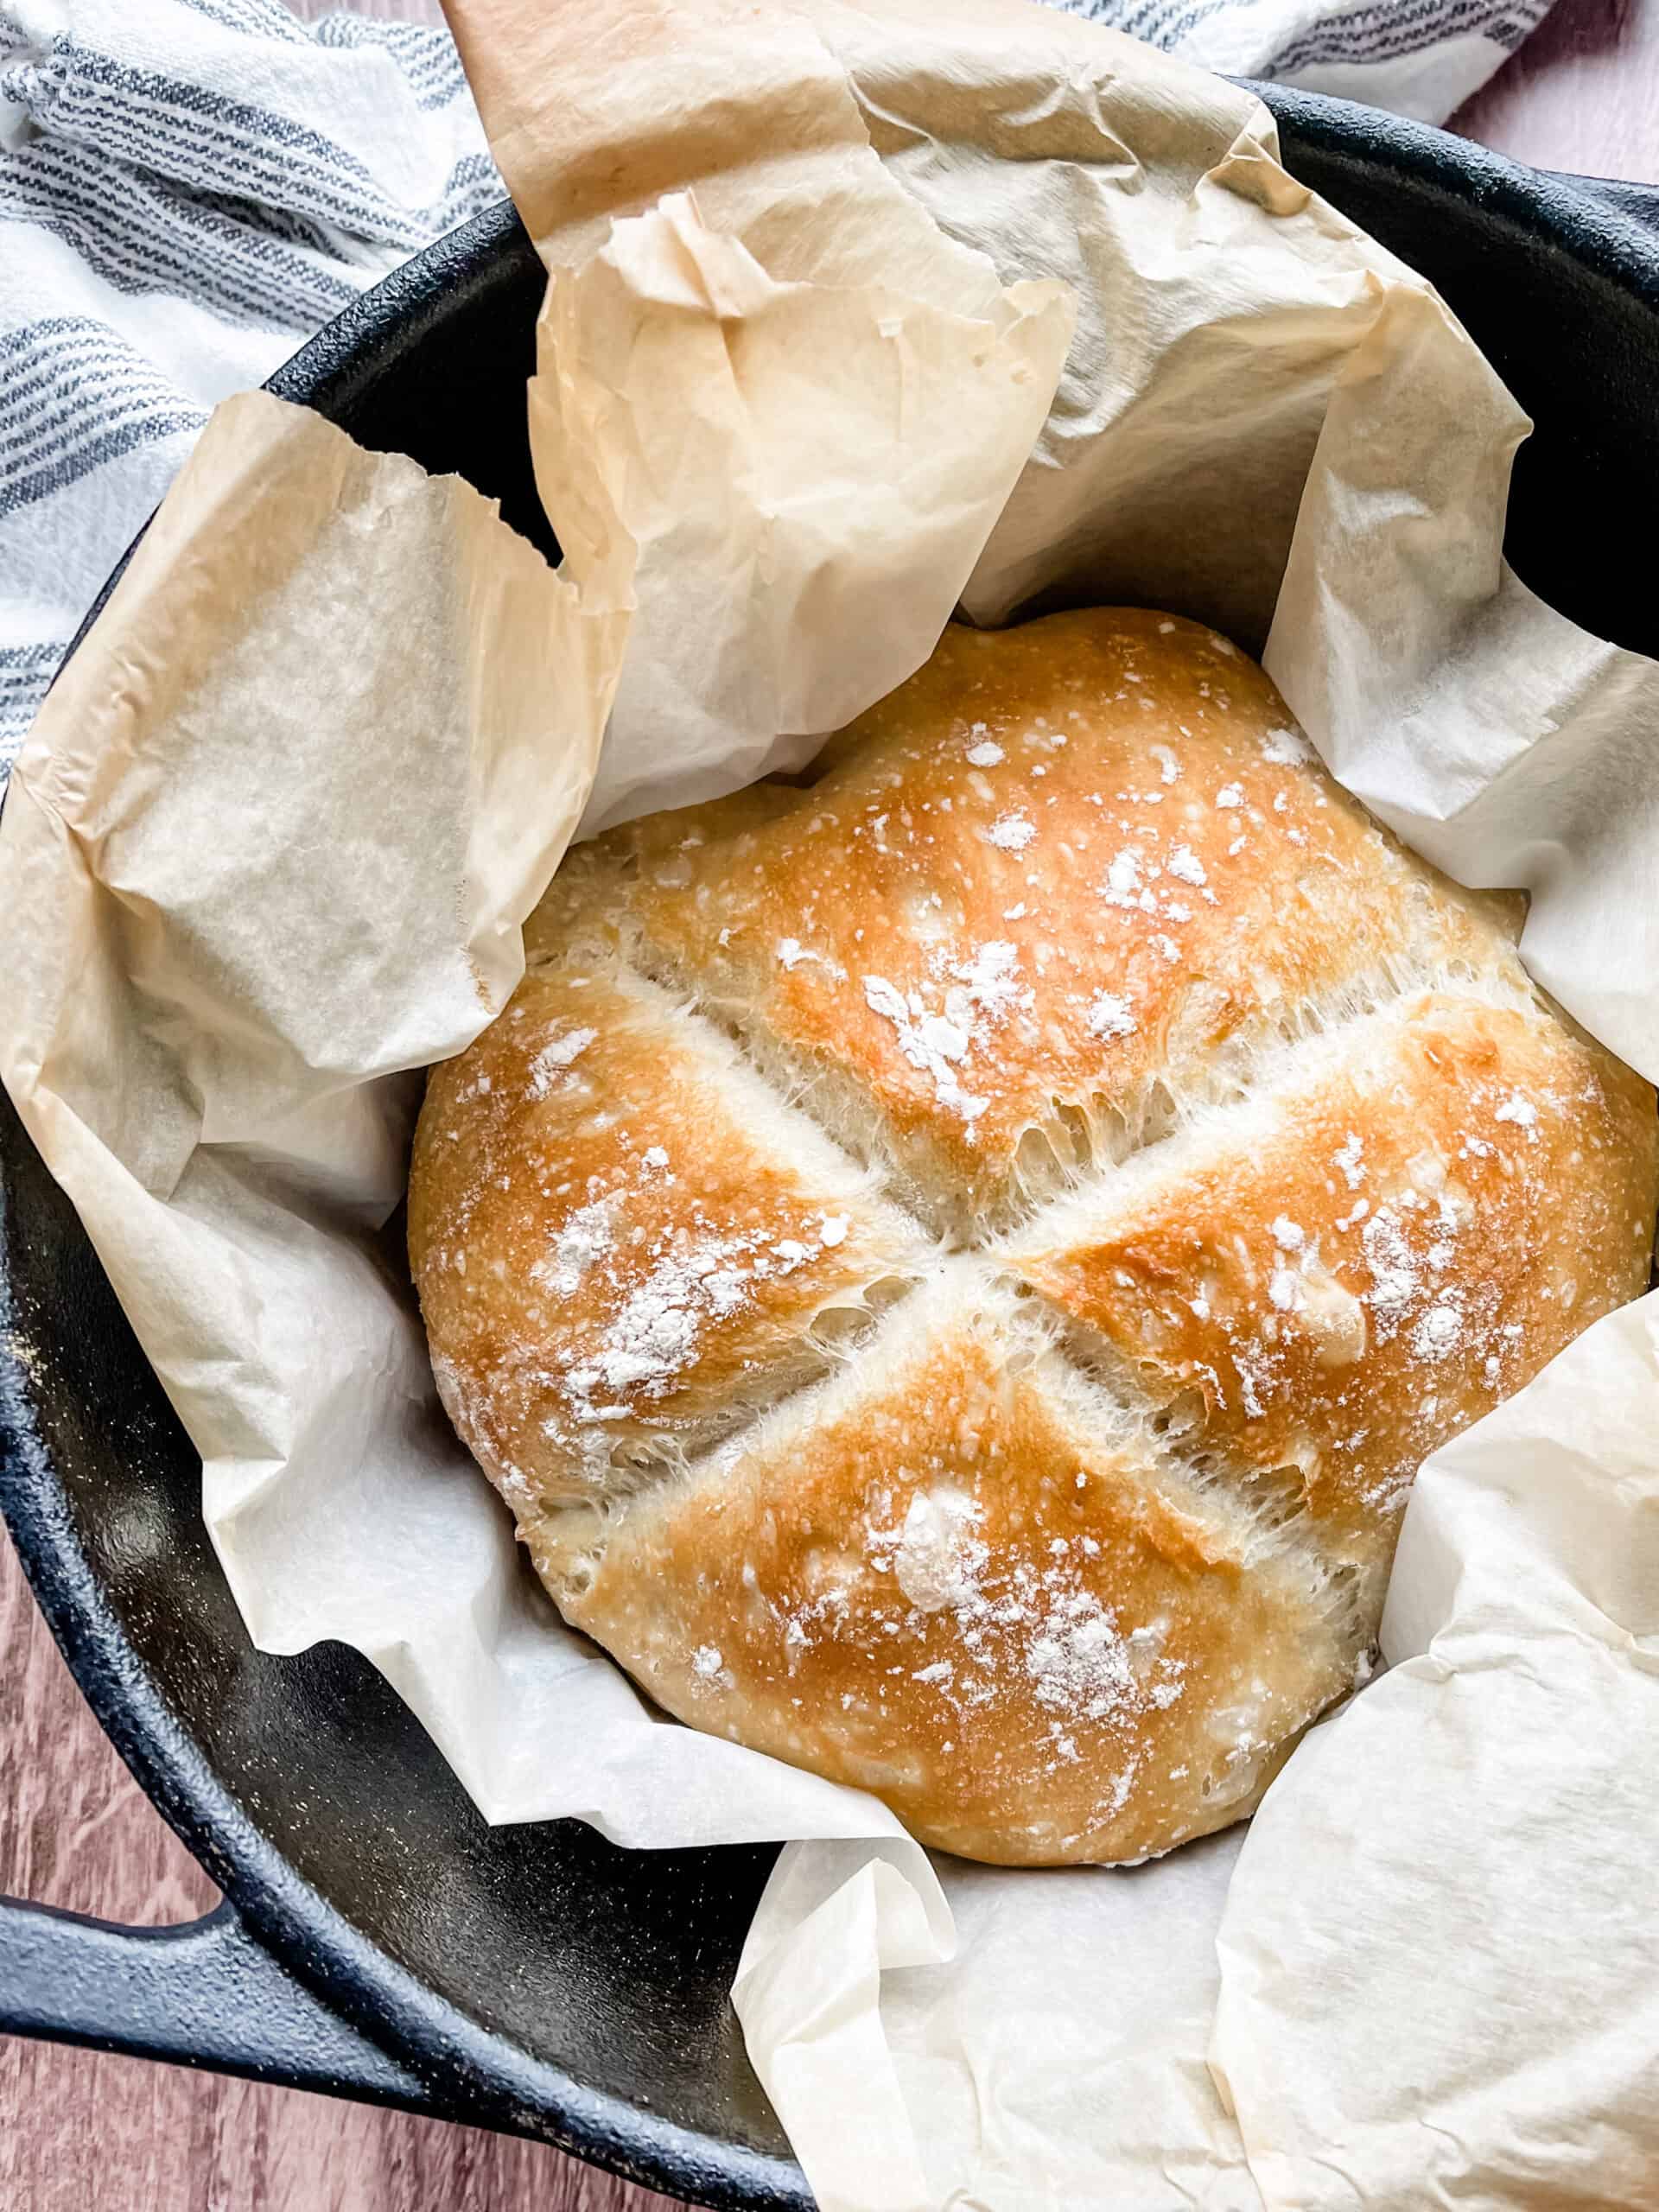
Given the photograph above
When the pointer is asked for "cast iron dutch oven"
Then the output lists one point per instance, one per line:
(376, 1939)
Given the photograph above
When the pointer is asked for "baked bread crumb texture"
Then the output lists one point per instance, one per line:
(955, 1262)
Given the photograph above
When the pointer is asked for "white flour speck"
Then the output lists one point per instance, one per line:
(1078, 1659)
(1438, 1333)
(944, 1037)
(986, 755)
(587, 1236)
(1109, 1016)
(1229, 795)
(1394, 1279)
(920, 1040)
(653, 1337)
(1285, 747)
(1012, 833)
(1185, 864)
(938, 1553)
(1123, 887)
(554, 1057)
(991, 981)
(1020, 1623)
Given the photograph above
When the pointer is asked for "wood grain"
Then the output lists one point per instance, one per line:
(86, 2133)
(1582, 94)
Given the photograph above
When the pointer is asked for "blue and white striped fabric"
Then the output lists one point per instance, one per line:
(1421, 58)
(189, 187)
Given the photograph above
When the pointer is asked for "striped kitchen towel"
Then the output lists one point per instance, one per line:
(188, 188)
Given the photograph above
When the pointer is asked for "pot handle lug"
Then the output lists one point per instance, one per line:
(206, 1994)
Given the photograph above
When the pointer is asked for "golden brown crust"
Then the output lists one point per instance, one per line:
(1150, 870)
(627, 1262)
(1266, 1169)
(966, 1587)
(1392, 1240)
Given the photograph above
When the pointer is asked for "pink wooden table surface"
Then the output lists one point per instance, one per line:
(84, 2133)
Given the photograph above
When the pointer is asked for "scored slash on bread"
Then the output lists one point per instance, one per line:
(954, 1263)
(964, 1578)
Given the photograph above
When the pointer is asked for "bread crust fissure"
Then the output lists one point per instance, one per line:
(1257, 1072)
(1083, 1140)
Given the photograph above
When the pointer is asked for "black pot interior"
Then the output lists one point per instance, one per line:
(606, 1970)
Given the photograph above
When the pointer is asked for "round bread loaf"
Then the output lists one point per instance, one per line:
(955, 1262)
